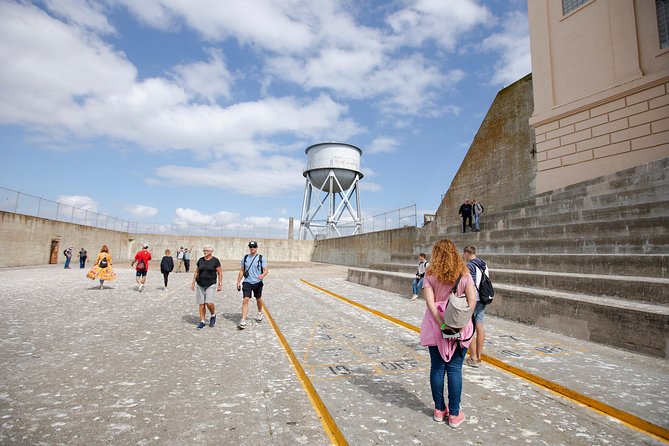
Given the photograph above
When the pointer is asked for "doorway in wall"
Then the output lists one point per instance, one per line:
(53, 256)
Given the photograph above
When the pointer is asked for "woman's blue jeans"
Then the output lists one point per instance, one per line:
(416, 285)
(476, 222)
(453, 372)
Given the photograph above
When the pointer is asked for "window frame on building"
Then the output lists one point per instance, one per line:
(662, 10)
(569, 6)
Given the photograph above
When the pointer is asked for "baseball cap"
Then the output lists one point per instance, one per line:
(253, 244)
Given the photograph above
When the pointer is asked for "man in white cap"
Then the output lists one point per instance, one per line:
(253, 270)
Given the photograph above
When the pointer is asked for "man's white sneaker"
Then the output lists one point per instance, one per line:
(242, 324)
(414, 297)
(259, 317)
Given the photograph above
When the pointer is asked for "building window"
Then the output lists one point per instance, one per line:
(569, 5)
(662, 7)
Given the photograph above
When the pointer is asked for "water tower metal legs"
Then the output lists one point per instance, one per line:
(335, 212)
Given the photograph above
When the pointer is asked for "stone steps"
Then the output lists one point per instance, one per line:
(636, 326)
(638, 289)
(636, 244)
(644, 265)
(630, 324)
(649, 175)
(628, 199)
(590, 260)
(641, 289)
(631, 213)
(635, 227)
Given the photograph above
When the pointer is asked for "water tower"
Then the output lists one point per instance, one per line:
(332, 173)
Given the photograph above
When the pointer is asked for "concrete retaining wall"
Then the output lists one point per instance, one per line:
(26, 241)
(365, 249)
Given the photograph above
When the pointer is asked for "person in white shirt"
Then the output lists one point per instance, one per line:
(417, 283)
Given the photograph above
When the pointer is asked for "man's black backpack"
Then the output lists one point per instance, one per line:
(485, 289)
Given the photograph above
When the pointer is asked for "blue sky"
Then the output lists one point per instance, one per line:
(199, 112)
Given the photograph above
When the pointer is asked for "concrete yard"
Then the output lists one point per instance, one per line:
(82, 365)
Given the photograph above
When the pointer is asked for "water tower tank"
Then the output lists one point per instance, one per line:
(343, 159)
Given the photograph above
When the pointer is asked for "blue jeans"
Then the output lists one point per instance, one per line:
(476, 222)
(67, 262)
(82, 262)
(416, 285)
(453, 371)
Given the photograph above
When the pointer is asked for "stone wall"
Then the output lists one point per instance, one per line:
(26, 241)
(499, 168)
(365, 249)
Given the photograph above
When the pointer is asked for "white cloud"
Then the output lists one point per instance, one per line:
(440, 21)
(84, 13)
(141, 211)
(272, 175)
(49, 67)
(382, 144)
(513, 46)
(319, 45)
(191, 216)
(209, 80)
(72, 85)
(224, 220)
(78, 201)
(370, 186)
(256, 22)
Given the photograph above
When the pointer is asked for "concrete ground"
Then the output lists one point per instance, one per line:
(115, 366)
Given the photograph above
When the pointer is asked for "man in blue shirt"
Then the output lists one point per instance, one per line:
(249, 280)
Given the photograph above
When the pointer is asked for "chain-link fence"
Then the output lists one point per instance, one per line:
(22, 203)
(399, 218)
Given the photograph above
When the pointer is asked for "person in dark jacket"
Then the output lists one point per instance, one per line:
(166, 265)
(466, 213)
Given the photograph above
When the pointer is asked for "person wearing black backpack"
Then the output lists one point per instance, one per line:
(477, 268)
(250, 281)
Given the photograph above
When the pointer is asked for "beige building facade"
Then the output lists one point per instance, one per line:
(601, 87)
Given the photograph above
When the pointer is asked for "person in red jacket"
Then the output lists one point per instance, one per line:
(142, 259)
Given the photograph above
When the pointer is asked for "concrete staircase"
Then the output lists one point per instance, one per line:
(590, 260)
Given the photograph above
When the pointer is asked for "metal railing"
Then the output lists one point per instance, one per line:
(398, 218)
(26, 204)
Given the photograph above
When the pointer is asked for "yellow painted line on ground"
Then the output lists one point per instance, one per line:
(371, 310)
(627, 418)
(329, 424)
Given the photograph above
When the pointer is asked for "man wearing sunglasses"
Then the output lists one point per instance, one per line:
(250, 281)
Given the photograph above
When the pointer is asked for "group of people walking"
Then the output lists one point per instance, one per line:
(448, 275)
(207, 277)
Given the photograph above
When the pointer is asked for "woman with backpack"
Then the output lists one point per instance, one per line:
(447, 278)
(102, 269)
